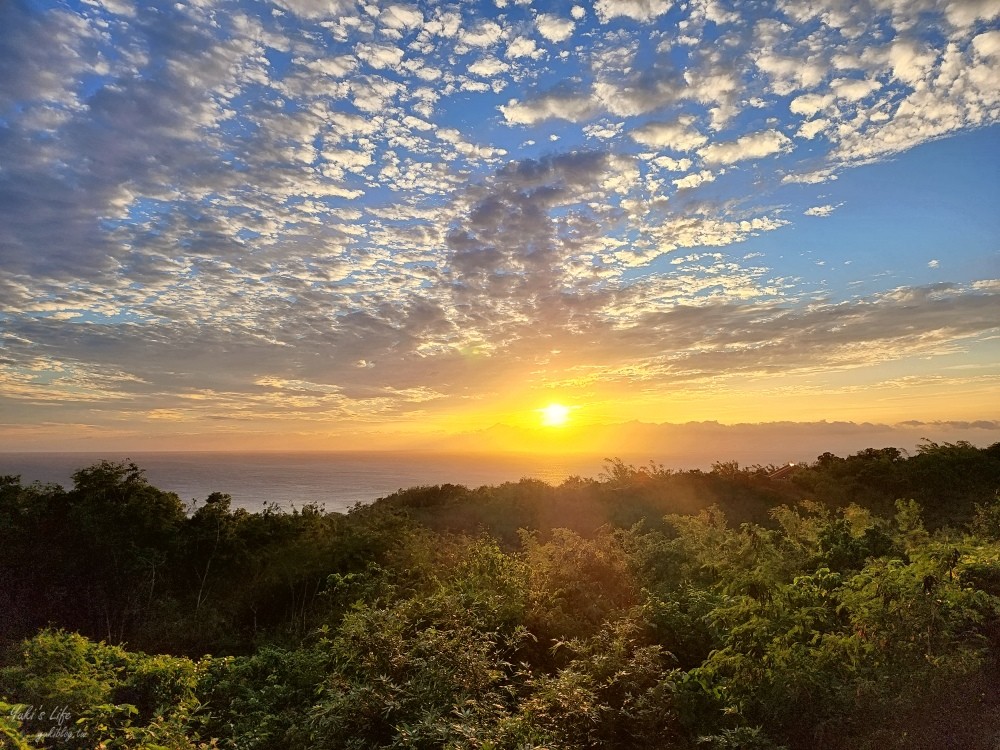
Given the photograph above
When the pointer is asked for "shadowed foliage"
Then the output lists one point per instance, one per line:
(850, 603)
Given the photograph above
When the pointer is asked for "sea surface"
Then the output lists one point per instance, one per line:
(335, 481)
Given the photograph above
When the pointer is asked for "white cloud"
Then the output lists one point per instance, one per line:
(348, 158)
(714, 12)
(715, 82)
(119, 7)
(553, 27)
(822, 211)
(811, 129)
(946, 90)
(564, 105)
(790, 73)
(672, 165)
(910, 61)
(622, 175)
(810, 104)
(694, 180)
(336, 67)
(317, 9)
(454, 137)
(854, 89)
(752, 146)
(523, 46)
(637, 10)
(401, 17)
(987, 44)
(379, 55)
(484, 34)
(426, 73)
(679, 135)
(965, 13)
(603, 131)
(640, 93)
(814, 177)
(488, 67)
(446, 24)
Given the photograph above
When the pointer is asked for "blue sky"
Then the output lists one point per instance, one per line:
(334, 222)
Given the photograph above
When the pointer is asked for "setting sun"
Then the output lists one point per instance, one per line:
(555, 415)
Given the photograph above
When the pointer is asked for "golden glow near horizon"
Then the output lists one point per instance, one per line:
(555, 415)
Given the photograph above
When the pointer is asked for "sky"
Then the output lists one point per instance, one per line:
(322, 224)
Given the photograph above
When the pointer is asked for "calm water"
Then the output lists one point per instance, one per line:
(334, 480)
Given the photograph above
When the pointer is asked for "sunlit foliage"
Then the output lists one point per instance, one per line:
(647, 608)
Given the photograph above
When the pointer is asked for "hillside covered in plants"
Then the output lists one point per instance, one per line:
(849, 603)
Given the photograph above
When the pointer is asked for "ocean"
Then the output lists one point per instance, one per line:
(334, 481)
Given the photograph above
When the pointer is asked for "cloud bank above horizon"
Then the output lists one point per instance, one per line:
(224, 217)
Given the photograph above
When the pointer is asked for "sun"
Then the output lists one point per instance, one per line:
(555, 415)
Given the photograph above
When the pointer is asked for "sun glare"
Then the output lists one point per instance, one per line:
(555, 415)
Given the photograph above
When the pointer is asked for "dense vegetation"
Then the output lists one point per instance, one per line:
(853, 603)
